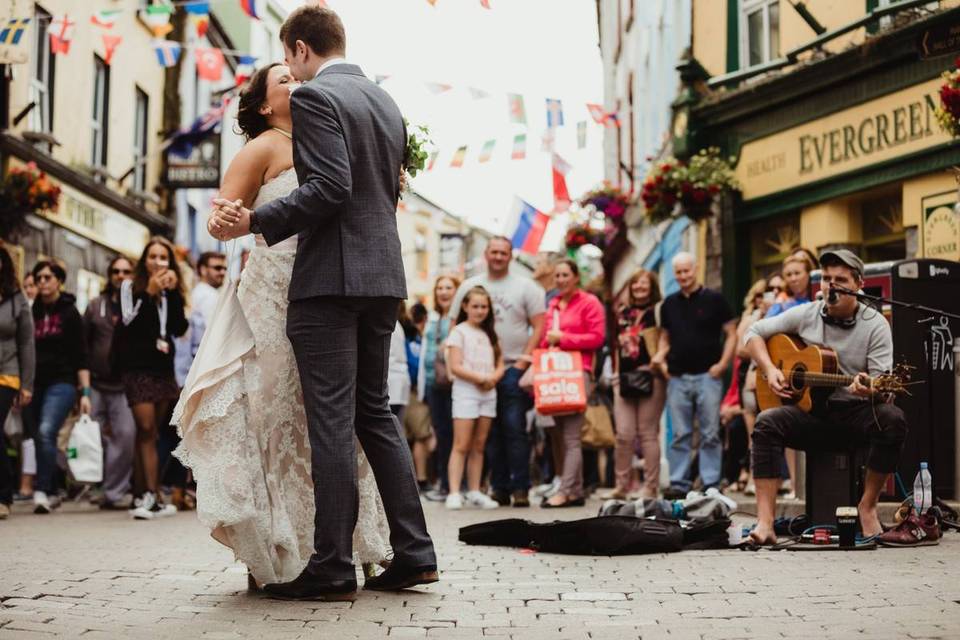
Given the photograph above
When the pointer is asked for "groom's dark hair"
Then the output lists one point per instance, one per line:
(320, 28)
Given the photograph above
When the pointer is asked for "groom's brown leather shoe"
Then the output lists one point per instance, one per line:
(309, 587)
(399, 576)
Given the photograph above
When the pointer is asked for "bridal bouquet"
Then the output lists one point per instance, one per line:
(415, 159)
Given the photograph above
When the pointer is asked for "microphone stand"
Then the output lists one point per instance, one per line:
(929, 340)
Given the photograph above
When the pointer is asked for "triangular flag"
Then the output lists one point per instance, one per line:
(13, 31)
(201, 24)
(485, 4)
(554, 113)
(519, 147)
(548, 140)
(61, 34)
(246, 66)
(487, 151)
(209, 63)
(105, 19)
(168, 52)
(250, 8)
(438, 87)
(198, 8)
(601, 116)
(109, 46)
(561, 195)
(200, 16)
(157, 17)
(582, 134)
(518, 113)
(459, 157)
(433, 160)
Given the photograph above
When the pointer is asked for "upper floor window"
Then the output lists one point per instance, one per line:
(140, 129)
(760, 32)
(101, 110)
(41, 75)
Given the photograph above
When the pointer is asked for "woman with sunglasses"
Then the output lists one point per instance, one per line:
(152, 308)
(61, 369)
(110, 408)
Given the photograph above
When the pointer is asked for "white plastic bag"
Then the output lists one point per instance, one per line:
(14, 424)
(85, 451)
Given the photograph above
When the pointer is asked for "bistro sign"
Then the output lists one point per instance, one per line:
(894, 125)
(201, 170)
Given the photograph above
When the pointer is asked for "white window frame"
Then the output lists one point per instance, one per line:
(140, 143)
(747, 8)
(100, 112)
(41, 75)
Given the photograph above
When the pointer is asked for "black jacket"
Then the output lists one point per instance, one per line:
(135, 344)
(58, 334)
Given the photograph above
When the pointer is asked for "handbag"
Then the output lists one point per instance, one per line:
(558, 385)
(441, 375)
(636, 384)
(597, 430)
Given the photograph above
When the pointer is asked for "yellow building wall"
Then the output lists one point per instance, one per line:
(916, 189)
(134, 64)
(794, 32)
(833, 222)
(710, 35)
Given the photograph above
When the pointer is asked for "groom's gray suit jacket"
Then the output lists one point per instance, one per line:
(349, 142)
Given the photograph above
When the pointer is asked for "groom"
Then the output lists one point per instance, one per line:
(349, 143)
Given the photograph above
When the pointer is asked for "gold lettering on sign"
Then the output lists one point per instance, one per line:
(888, 127)
(941, 230)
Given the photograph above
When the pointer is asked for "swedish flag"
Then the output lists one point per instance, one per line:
(12, 33)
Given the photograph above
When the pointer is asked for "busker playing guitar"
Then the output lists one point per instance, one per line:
(852, 416)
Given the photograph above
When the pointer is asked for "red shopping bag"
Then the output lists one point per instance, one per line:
(558, 386)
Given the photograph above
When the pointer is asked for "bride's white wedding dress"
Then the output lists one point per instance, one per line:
(244, 428)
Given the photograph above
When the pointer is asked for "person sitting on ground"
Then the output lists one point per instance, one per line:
(853, 416)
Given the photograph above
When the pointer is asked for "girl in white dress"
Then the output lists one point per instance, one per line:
(241, 414)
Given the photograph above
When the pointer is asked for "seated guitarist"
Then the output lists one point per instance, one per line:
(862, 340)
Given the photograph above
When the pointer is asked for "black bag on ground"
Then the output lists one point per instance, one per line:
(605, 536)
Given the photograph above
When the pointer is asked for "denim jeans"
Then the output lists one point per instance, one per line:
(53, 405)
(699, 396)
(440, 402)
(508, 447)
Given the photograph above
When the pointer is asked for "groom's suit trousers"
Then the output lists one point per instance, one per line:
(342, 347)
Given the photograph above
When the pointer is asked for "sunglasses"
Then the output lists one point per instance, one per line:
(774, 289)
(121, 272)
(43, 277)
(218, 268)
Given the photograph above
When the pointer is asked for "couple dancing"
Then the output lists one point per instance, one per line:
(274, 454)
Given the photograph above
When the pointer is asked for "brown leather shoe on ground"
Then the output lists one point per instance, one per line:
(915, 531)
(521, 499)
(399, 576)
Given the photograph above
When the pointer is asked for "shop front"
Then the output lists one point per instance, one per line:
(843, 152)
(91, 225)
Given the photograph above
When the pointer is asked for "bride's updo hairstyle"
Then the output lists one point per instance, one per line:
(250, 121)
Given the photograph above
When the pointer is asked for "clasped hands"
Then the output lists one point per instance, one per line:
(228, 220)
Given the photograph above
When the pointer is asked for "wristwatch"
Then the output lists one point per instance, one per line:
(254, 223)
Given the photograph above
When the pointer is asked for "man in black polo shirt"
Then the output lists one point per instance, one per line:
(697, 344)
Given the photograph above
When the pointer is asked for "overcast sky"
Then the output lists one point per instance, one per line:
(538, 48)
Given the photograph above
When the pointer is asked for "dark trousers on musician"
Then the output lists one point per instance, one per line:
(844, 424)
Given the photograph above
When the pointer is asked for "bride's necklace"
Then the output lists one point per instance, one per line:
(286, 133)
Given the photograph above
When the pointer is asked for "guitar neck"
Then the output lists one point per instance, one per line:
(811, 379)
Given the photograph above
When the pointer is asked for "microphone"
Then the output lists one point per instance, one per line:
(833, 297)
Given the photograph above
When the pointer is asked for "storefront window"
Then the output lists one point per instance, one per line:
(760, 26)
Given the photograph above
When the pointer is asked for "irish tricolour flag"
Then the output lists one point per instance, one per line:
(105, 19)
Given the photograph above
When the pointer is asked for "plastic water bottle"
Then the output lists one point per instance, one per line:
(923, 489)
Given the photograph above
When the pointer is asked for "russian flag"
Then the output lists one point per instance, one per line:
(531, 225)
(250, 8)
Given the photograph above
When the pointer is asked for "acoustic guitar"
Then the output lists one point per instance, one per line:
(812, 373)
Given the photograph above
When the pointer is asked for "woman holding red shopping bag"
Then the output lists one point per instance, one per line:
(575, 321)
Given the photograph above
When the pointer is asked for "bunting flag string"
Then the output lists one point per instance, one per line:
(12, 32)
(459, 157)
(246, 66)
(250, 8)
(487, 152)
(199, 13)
(433, 160)
(602, 116)
(518, 114)
(110, 43)
(561, 195)
(210, 63)
(157, 17)
(168, 52)
(105, 19)
(519, 147)
(61, 34)
(554, 113)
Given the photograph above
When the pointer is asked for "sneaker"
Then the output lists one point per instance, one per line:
(502, 498)
(22, 497)
(915, 531)
(41, 504)
(454, 502)
(521, 498)
(148, 508)
(480, 500)
(436, 495)
(4, 511)
(56, 502)
(548, 489)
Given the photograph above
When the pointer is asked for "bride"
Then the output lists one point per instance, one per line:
(241, 413)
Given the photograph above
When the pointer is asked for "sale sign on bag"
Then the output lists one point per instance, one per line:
(558, 385)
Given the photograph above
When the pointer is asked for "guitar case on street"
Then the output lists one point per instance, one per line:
(602, 536)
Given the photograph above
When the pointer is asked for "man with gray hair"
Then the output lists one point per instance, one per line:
(696, 346)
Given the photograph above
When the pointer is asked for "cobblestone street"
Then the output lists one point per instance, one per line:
(96, 575)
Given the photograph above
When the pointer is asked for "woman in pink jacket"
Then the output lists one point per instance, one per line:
(574, 321)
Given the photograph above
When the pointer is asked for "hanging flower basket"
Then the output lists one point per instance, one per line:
(23, 191)
(582, 234)
(695, 186)
(608, 200)
(948, 111)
